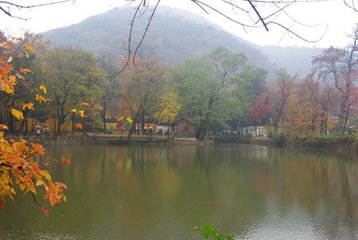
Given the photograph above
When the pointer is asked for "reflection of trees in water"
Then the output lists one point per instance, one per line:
(127, 188)
(316, 181)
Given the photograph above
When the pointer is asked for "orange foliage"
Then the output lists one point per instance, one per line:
(78, 126)
(65, 160)
(18, 166)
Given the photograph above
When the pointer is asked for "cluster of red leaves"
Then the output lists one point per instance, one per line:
(261, 107)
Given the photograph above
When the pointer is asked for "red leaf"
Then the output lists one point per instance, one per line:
(45, 210)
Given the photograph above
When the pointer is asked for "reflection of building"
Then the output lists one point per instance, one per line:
(182, 128)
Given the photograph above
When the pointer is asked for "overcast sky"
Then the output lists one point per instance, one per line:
(334, 21)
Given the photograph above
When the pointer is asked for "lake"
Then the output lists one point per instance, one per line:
(155, 192)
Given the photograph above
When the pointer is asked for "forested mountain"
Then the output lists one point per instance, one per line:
(175, 35)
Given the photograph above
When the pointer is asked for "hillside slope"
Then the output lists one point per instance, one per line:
(186, 36)
(175, 35)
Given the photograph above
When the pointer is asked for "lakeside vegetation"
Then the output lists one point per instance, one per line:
(219, 91)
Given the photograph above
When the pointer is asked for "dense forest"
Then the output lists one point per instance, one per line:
(217, 90)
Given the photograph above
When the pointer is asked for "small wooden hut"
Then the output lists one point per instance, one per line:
(183, 128)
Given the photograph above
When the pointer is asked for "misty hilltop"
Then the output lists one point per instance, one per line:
(174, 36)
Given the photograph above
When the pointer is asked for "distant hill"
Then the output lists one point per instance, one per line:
(297, 60)
(175, 35)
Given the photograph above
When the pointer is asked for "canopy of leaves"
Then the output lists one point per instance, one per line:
(207, 86)
(72, 76)
(18, 166)
(141, 88)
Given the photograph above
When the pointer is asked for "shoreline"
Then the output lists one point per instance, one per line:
(350, 146)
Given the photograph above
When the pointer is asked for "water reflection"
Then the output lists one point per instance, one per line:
(158, 192)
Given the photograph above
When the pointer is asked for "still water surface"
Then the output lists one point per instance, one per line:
(160, 192)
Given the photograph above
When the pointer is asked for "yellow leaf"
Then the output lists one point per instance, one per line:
(17, 114)
(73, 110)
(40, 98)
(9, 90)
(45, 174)
(30, 48)
(43, 88)
(29, 106)
(82, 114)
(22, 186)
(129, 120)
(31, 188)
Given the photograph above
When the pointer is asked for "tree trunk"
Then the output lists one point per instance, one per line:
(104, 113)
(142, 124)
(343, 116)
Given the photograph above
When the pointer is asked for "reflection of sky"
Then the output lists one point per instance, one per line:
(293, 223)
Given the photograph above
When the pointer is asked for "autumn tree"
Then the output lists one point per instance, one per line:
(261, 107)
(280, 93)
(303, 112)
(141, 89)
(340, 66)
(168, 107)
(73, 76)
(19, 169)
(27, 90)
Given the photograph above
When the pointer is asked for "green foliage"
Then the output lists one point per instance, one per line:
(168, 107)
(337, 138)
(279, 139)
(314, 141)
(207, 86)
(251, 83)
(141, 89)
(209, 232)
(72, 76)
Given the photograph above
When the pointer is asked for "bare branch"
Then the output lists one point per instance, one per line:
(351, 5)
(258, 14)
(10, 5)
(253, 14)
(20, 6)
(288, 30)
(146, 30)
